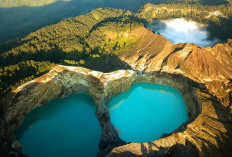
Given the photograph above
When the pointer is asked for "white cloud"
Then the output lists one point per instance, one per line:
(180, 30)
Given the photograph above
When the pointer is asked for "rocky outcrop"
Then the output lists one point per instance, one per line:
(210, 66)
(202, 75)
(202, 131)
(62, 81)
(210, 133)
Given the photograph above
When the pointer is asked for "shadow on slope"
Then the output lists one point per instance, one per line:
(106, 63)
(20, 21)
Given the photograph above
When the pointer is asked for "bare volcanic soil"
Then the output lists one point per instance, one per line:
(202, 75)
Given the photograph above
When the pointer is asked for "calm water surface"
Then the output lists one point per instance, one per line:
(69, 127)
(63, 127)
(147, 111)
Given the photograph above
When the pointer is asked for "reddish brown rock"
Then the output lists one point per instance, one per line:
(202, 75)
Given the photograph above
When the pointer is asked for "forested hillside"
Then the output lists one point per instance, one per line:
(13, 76)
(73, 41)
(21, 17)
(205, 2)
(95, 39)
(34, 3)
(218, 19)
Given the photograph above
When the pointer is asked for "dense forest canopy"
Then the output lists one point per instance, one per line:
(34, 3)
(20, 17)
(217, 18)
(73, 41)
(91, 39)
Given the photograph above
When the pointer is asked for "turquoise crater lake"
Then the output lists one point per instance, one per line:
(147, 111)
(63, 127)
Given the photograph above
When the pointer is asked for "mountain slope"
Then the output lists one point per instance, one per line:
(17, 3)
(21, 17)
(73, 41)
(107, 40)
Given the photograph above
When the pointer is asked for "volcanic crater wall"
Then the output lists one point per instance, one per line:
(62, 81)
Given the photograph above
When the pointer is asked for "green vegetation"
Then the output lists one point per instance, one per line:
(13, 76)
(229, 42)
(94, 40)
(120, 3)
(74, 41)
(217, 18)
(21, 17)
(204, 2)
(74, 38)
(53, 42)
(17, 3)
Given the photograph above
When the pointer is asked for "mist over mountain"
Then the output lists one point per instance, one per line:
(20, 17)
(179, 30)
(53, 48)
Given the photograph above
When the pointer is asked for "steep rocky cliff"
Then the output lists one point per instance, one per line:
(210, 66)
(202, 75)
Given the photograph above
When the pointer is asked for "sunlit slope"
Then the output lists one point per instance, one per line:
(32, 3)
(86, 40)
(21, 17)
(207, 2)
(69, 35)
(106, 40)
(116, 3)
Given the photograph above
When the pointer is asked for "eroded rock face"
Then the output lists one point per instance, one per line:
(202, 75)
(209, 129)
(208, 135)
(62, 81)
